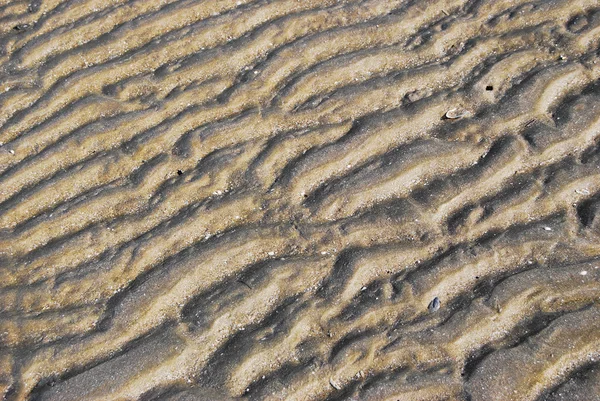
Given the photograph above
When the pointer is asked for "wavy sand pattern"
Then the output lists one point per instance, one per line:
(300, 200)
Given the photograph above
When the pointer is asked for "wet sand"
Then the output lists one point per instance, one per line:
(299, 200)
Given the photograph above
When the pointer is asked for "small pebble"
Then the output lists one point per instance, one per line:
(434, 304)
(21, 27)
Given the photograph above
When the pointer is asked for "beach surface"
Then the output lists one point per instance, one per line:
(300, 200)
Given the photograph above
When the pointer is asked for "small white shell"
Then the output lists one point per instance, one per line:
(334, 384)
(456, 113)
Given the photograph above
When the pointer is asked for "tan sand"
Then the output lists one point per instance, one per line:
(300, 200)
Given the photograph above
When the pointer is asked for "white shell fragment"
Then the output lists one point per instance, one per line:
(456, 113)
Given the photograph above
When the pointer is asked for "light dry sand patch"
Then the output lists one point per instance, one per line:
(299, 200)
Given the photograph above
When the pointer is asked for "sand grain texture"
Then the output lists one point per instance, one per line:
(300, 200)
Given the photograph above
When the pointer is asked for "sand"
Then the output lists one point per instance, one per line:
(299, 200)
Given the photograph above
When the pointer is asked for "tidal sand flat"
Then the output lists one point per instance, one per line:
(379, 200)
